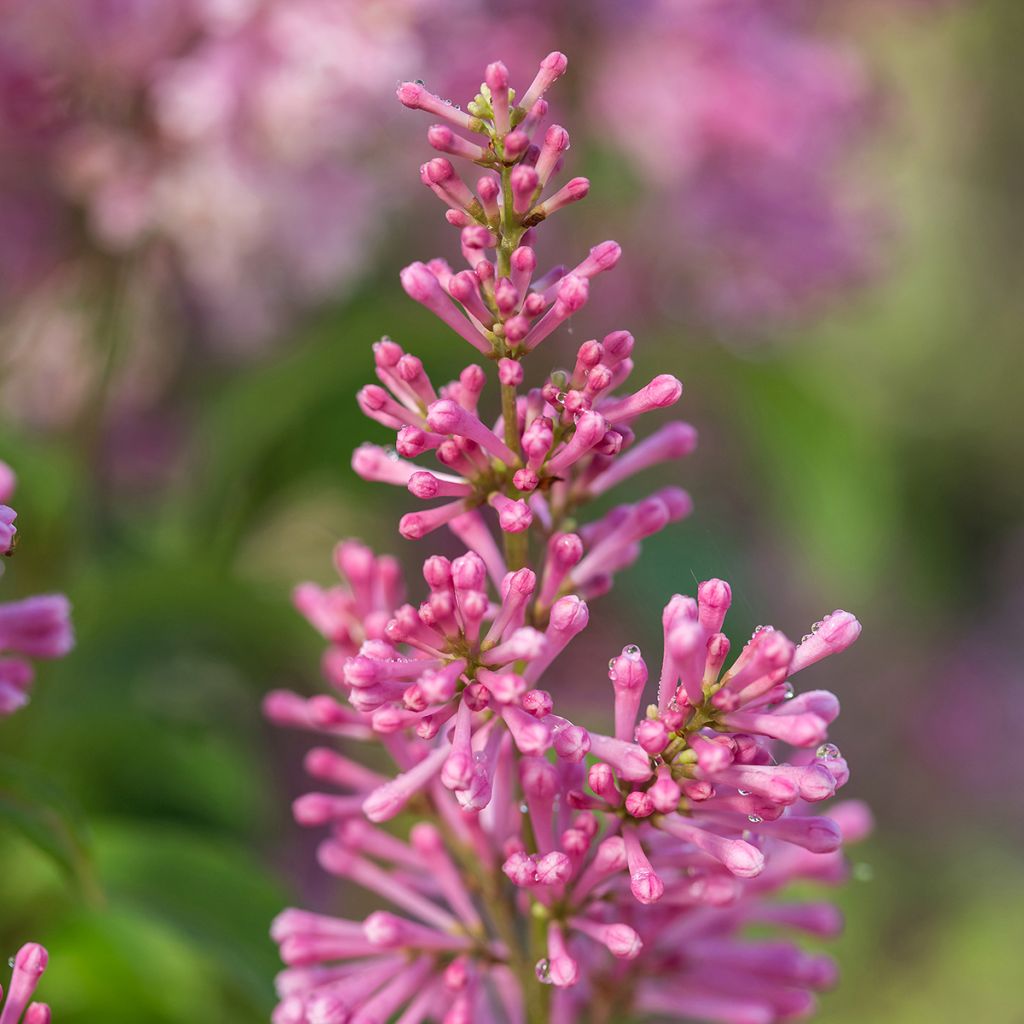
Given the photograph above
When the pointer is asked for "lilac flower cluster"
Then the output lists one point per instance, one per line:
(34, 627)
(541, 870)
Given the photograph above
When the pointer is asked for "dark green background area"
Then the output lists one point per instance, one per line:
(869, 461)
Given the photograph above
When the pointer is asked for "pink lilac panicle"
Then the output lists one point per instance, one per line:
(550, 865)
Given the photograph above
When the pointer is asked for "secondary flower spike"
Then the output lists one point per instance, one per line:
(523, 865)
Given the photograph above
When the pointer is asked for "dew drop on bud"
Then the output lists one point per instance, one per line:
(743, 792)
(543, 971)
(788, 693)
(10, 962)
(631, 651)
(523, 809)
(754, 819)
(828, 752)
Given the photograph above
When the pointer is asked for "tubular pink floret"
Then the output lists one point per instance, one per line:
(572, 293)
(556, 142)
(672, 441)
(413, 95)
(571, 192)
(663, 391)
(833, 634)
(552, 67)
(602, 257)
(442, 138)
(448, 417)
(524, 181)
(420, 284)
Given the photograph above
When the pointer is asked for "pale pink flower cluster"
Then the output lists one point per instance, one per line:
(34, 627)
(737, 115)
(552, 872)
(213, 161)
(28, 966)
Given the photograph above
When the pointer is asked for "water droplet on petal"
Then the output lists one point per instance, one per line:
(543, 971)
(754, 819)
(419, 81)
(743, 792)
(631, 651)
(788, 693)
(828, 752)
(523, 809)
(10, 962)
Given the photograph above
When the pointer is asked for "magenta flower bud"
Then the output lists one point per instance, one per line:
(464, 287)
(563, 971)
(663, 391)
(628, 674)
(556, 142)
(639, 804)
(602, 257)
(601, 780)
(510, 372)
(448, 417)
(414, 525)
(442, 138)
(524, 182)
(553, 868)
(552, 67)
(513, 516)
(416, 97)
(644, 883)
(571, 192)
(496, 78)
(713, 600)
(537, 703)
(621, 940)
(516, 144)
(572, 743)
(572, 295)
(520, 869)
(652, 735)
(37, 1013)
(665, 794)
(488, 190)
(590, 429)
(833, 634)
(525, 480)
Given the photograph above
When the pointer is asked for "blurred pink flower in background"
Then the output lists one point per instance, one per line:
(208, 170)
(219, 156)
(736, 116)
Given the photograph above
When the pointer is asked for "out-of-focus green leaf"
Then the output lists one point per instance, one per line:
(43, 813)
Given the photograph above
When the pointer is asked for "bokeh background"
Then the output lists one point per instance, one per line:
(203, 208)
